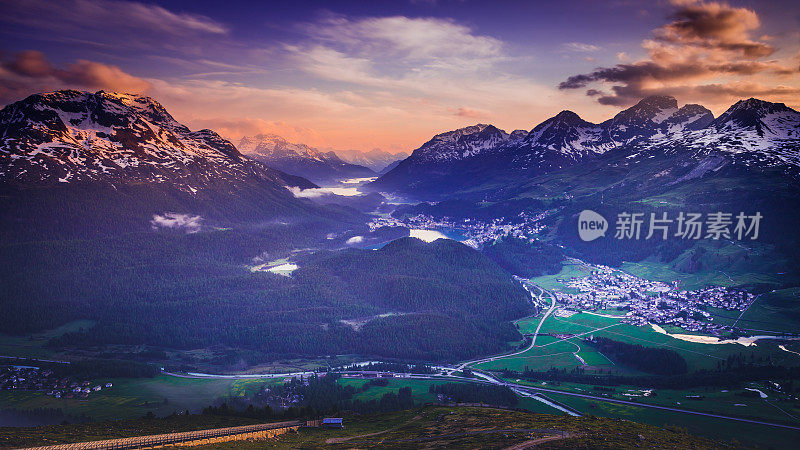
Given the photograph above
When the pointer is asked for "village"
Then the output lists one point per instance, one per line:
(645, 301)
(27, 378)
(651, 302)
(524, 226)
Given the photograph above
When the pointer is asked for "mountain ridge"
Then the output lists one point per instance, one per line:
(758, 132)
(80, 163)
(301, 159)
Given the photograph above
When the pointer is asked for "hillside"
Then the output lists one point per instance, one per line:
(482, 160)
(79, 164)
(425, 427)
(196, 292)
(675, 159)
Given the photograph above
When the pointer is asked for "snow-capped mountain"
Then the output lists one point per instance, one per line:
(300, 159)
(460, 144)
(375, 159)
(560, 141)
(79, 163)
(72, 136)
(753, 130)
(446, 160)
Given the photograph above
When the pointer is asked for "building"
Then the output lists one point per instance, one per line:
(333, 422)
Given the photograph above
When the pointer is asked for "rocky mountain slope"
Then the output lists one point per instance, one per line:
(80, 162)
(751, 131)
(72, 136)
(300, 159)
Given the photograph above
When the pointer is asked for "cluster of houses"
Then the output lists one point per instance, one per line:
(27, 378)
(524, 226)
(652, 302)
(281, 398)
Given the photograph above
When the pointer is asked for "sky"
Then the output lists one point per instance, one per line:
(391, 74)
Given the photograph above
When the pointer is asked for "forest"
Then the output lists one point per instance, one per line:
(657, 361)
(523, 258)
(475, 393)
(444, 300)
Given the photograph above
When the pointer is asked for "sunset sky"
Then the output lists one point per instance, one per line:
(367, 74)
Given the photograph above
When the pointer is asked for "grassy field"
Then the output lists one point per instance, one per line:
(130, 398)
(778, 407)
(722, 264)
(62, 434)
(718, 429)
(33, 346)
(425, 427)
(568, 269)
(445, 427)
(772, 312)
(551, 352)
(419, 391)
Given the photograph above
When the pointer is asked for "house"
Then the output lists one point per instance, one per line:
(333, 422)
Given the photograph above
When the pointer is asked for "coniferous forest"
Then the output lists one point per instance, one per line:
(416, 300)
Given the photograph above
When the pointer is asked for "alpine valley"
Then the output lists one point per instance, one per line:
(135, 248)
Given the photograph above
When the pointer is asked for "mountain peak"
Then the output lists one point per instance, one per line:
(568, 116)
(461, 143)
(658, 101)
(470, 129)
(762, 116)
(65, 136)
(759, 106)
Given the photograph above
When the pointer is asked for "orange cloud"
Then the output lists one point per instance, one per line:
(470, 113)
(30, 71)
(707, 50)
(96, 75)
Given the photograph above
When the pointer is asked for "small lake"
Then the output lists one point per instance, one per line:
(427, 236)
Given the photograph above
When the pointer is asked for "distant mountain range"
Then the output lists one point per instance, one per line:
(652, 157)
(80, 162)
(301, 160)
(375, 159)
(751, 131)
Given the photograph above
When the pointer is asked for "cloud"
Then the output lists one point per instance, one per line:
(372, 74)
(30, 71)
(104, 21)
(468, 112)
(714, 25)
(395, 52)
(581, 47)
(407, 38)
(355, 240)
(322, 192)
(397, 76)
(96, 75)
(30, 63)
(707, 49)
(191, 224)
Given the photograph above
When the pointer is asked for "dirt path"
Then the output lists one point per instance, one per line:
(541, 440)
(345, 439)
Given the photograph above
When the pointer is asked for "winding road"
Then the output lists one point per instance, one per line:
(547, 313)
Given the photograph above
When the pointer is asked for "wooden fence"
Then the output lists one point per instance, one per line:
(188, 438)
